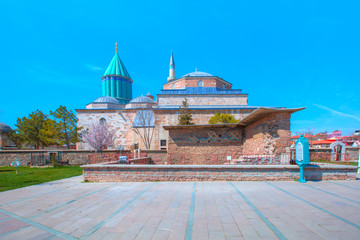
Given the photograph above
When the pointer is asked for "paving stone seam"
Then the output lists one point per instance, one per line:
(23, 199)
(94, 229)
(14, 231)
(263, 218)
(315, 206)
(190, 223)
(331, 193)
(345, 185)
(72, 201)
(38, 225)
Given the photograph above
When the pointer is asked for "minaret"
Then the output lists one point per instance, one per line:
(171, 69)
(116, 81)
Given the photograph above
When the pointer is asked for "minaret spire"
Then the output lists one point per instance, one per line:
(116, 47)
(171, 68)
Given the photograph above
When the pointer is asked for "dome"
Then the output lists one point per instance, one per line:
(106, 99)
(4, 128)
(198, 74)
(142, 99)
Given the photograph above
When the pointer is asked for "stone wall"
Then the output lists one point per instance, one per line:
(193, 82)
(119, 122)
(353, 152)
(204, 145)
(74, 157)
(136, 173)
(238, 99)
(270, 135)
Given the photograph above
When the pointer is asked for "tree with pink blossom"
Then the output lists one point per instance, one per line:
(98, 136)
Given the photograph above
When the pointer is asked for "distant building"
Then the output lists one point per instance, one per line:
(5, 141)
(356, 133)
(335, 134)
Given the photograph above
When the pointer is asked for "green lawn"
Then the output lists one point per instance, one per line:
(332, 162)
(30, 176)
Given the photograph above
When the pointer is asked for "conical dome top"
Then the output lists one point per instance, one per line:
(116, 67)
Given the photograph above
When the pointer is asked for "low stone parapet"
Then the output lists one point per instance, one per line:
(138, 173)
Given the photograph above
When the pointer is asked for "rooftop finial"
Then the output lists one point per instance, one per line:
(116, 47)
(195, 69)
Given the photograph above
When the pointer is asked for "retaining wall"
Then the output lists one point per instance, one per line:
(135, 173)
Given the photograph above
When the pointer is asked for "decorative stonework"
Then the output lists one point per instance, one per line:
(213, 137)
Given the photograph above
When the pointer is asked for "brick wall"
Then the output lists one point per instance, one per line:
(238, 99)
(193, 82)
(135, 173)
(270, 135)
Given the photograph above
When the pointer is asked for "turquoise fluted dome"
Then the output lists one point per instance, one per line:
(116, 67)
(116, 81)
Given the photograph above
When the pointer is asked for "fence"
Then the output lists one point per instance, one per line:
(325, 158)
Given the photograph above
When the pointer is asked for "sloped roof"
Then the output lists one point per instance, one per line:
(254, 116)
(116, 67)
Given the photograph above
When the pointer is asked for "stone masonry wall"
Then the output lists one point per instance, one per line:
(193, 82)
(139, 173)
(75, 157)
(270, 135)
(204, 145)
(204, 99)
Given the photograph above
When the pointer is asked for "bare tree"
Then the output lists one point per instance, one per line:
(98, 136)
(144, 125)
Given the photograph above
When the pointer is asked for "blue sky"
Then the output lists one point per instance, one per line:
(282, 53)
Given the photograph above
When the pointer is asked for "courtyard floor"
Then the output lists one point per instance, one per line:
(71, 209)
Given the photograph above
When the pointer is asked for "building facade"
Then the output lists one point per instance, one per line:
(206, 95)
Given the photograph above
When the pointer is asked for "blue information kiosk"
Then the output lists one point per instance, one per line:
(302, 155)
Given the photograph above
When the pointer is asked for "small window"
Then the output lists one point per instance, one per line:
(162, 144)
(200, 83)
(224, 87)
(173, 86)
(102, 120)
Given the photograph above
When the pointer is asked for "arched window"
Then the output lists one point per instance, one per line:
(102, 120)
(200, 83)
(173, 86)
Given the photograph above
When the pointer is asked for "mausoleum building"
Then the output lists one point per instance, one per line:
(206, 95)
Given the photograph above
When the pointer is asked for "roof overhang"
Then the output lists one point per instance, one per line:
(253, 117)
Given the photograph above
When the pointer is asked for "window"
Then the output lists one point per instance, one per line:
(200, 83)
(102, 120)
(173, 86)
(162, 144)
(224, 87)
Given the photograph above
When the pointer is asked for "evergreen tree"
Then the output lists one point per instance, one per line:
(219, 118)
(28, 128)
(185, 117)
(68, 131)
(49, 133)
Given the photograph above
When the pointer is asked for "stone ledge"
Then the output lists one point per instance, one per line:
(134, 173)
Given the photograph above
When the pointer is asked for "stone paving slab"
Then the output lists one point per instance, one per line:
(72, 209)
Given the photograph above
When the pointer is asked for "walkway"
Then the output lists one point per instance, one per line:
(70, 209)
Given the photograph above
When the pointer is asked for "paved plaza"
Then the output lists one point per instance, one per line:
(72, 209)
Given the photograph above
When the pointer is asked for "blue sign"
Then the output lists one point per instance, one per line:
(302, 155)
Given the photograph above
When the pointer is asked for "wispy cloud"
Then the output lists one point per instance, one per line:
(93, 68)
(337, 112)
